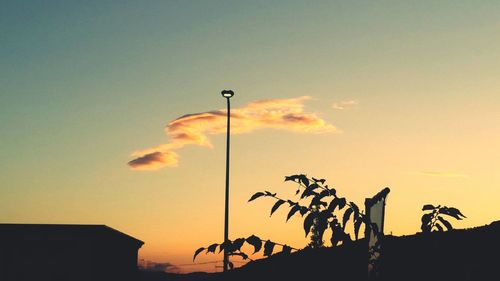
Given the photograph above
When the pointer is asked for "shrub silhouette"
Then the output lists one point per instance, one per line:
(434, 221)
(319, 214)
(234, 248)
(322, 211)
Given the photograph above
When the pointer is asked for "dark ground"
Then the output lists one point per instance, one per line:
(469, 254)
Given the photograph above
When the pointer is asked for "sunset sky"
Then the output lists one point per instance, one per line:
(111, 113)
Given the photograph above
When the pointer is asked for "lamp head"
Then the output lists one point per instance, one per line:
(227, 93)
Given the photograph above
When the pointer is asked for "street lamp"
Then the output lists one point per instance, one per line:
(227, 94)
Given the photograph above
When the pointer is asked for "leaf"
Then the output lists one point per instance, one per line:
(333, 192)
(439, 227)
(346, 216)
(197, 252)
(256, 195)
(292, 178)
(308, 222)
(322, 181)
(426, 222)
(269, 193)
(292, 212)
(211, 248)
(238, 243)
(304, 180)
(297, 192)
(286, 249)
(333, 204)
(309, 191)
(445, 223)
(226, 245)
(357, 226)
(276, 206)
(342, 203)
(255, 242)
(453, 212)
(303, 210)
(268, 248)
(355, 209)
(428, 207)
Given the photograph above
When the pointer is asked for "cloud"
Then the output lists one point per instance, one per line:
(344, 104)
(157, 266)
(195, 129)
(443, 174)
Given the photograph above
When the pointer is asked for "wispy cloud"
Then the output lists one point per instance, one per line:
(345, 104)
(194, 129)
(443, 174)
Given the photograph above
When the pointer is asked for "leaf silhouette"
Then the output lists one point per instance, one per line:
(346, 216)
(355, 208)
(238, 243)
(292, 178)
(255, 242)
(268, 248)
(225, 245)
(286, 249)
(426, 222)
(269, 193)
(197, 252)
(256, 195)
(453, 212)
(333, 204)
(342, 203)
(292, 212)
(357, 226)
(276, 206)
(304, 180)
(445, 223)
(308, 222)
(322, 181)
(428, 207)
(211, 248)
(439, 227)
(303, 210)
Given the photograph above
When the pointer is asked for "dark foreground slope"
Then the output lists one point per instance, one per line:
(471, 254)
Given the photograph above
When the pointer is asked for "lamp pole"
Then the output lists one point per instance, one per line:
(227, 94)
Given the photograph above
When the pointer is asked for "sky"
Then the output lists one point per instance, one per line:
(111, 113)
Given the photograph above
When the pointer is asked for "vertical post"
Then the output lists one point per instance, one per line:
(226, 215)
(227, 94)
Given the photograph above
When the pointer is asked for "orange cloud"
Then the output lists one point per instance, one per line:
(283, 114)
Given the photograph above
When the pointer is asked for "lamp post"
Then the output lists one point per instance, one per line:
(227, 94)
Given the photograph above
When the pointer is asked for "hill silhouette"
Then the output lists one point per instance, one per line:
(466, 254)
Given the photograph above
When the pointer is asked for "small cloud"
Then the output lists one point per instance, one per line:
(147, 265)
(443, 174)
(195, 129)
(154, 161)
(345, 104)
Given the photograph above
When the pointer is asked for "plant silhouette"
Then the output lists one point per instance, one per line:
(234, 248)
(434, 220)
(321, 212)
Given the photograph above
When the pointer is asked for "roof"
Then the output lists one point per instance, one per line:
(12, 231)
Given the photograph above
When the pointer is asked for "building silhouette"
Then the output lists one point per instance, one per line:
(52, 252)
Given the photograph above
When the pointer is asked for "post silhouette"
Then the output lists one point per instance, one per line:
(227, 94)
